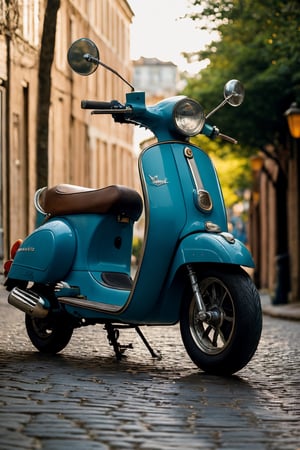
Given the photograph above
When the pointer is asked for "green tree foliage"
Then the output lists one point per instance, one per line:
(259, 45)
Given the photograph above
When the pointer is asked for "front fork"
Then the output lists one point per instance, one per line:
(203, 314)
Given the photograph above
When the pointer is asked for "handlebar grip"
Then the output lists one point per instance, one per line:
(91, 104)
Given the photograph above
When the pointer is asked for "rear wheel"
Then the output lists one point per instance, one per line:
(48, 335)
(227, 339)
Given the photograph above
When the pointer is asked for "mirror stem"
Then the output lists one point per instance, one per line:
(91, 58)
(219, 106)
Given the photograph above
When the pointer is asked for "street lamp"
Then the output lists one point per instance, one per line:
(293, 118)
(256, 163)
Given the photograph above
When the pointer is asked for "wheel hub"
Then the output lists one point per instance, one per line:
(214, 316)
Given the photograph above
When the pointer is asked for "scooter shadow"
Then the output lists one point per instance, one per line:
(98, 367)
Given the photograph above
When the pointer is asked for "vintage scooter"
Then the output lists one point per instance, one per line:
(74, 270)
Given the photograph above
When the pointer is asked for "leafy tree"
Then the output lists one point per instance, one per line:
(260, 45)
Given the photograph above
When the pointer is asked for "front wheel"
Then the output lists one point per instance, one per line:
(227, 339)
(48, 335)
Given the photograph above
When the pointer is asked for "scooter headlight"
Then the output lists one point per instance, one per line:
(189, 117)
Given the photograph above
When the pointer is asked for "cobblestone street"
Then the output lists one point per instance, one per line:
(84, 399)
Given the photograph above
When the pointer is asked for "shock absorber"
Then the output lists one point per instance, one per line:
(202, 314)
(213, 317)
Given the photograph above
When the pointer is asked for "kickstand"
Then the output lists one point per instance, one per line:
(152, 352)
(113, 336)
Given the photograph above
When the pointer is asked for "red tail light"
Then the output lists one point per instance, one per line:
(14, 248)
(7, 266)
(13, 251)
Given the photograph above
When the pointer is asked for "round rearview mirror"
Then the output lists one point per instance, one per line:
(234, 92)
(78, 56)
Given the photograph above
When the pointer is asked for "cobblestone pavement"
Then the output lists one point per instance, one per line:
(84, 399)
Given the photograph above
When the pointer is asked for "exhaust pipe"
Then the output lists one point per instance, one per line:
(29, 302)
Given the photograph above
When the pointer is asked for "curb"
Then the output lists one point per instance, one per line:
(290, 311)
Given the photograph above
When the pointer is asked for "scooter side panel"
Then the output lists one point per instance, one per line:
(46, 255)
(103, 243)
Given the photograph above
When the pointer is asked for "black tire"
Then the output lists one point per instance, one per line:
(224, 344)
(48, 335)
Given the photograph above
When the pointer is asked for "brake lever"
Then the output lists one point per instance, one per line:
(227, 138)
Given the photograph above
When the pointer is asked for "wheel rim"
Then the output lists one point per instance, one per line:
(213, 335)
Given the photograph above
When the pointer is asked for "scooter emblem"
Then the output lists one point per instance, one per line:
(156, 181)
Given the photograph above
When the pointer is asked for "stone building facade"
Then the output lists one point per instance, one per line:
(83, 149)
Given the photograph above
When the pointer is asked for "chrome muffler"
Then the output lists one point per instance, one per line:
(29, 302)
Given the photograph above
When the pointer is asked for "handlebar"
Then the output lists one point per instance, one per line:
(114, 107)
(118, 110)
(91, 104)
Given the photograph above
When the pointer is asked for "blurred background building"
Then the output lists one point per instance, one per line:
(158, 78)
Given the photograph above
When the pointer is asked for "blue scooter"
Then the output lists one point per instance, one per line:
(74, 269)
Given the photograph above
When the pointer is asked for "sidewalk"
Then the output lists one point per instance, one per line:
(290, 311)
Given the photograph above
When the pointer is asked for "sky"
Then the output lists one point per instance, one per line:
(159, 31)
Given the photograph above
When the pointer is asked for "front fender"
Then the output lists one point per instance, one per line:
(211, 248)
(205, 248)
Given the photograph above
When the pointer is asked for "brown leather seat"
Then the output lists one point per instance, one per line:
(69, 199)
